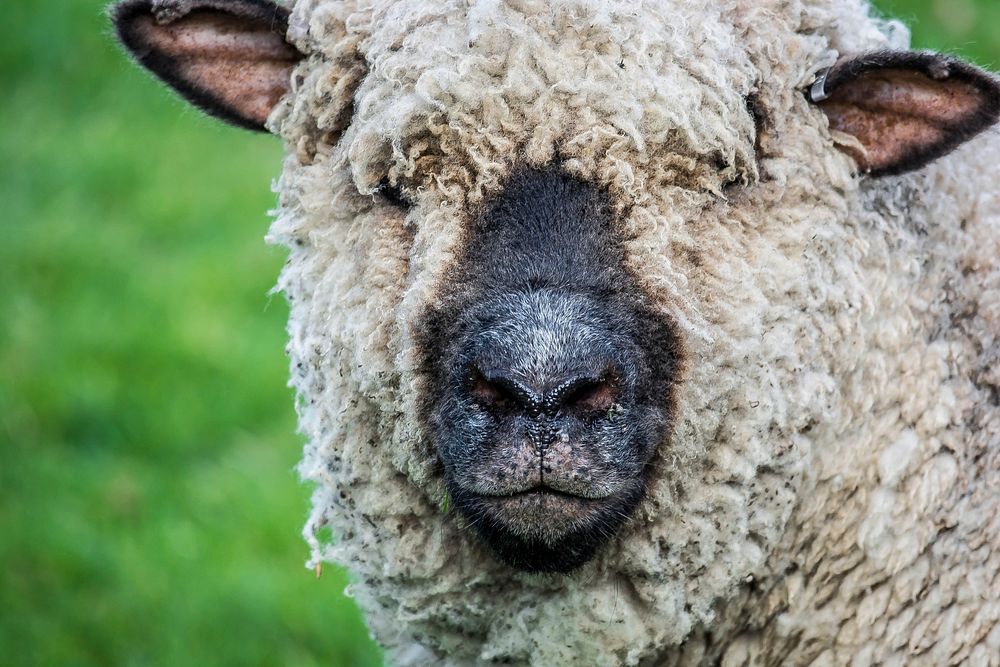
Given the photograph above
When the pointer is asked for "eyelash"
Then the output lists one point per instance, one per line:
(393, 194)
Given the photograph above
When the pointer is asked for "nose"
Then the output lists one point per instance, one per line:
(547, 353)
(582, 392)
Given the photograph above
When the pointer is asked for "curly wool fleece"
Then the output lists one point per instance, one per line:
(829, 490)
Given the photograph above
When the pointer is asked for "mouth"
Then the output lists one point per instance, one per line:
(542, 529)
(542, 505)
(542, 511)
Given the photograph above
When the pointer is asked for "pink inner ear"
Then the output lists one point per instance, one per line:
(242, 65)
(900, 115)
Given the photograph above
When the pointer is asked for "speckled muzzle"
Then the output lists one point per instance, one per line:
(553, 379)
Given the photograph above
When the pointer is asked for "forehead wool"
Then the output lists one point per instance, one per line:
(795, 292)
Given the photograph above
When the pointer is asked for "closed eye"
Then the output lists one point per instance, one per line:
(393, 194)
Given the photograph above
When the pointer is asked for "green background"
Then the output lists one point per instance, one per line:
(149, 511)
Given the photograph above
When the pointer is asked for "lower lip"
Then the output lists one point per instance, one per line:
(544, 506)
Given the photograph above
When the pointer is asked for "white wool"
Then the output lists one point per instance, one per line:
(830, 490)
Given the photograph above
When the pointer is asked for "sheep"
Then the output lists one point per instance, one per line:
(630, 333)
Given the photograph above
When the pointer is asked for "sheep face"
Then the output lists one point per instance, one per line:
(586, 285)
(539, 327)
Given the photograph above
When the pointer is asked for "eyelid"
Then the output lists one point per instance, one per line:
(393, 194)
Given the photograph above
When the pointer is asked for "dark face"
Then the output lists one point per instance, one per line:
(552, 379)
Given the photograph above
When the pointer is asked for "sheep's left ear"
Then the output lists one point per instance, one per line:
(227, 57)
(906, 108)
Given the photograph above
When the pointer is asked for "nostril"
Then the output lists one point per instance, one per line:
(489, 394)
(585, 395)
(590, 396)
(500, 393)
(497, 393)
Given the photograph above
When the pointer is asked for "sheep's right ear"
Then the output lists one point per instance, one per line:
(228, 57)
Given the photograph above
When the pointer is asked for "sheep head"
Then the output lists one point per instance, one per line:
(585, 274)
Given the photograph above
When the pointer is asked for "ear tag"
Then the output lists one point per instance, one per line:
(817, 92)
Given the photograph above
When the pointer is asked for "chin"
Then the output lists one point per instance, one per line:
(543, 530)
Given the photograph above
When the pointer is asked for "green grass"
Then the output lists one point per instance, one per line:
(969, 28)
(149, 513)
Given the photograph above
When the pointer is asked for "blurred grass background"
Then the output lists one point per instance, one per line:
(149, 512)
